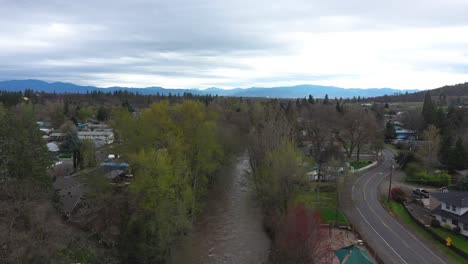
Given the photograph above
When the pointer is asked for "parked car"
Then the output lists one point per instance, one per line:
(422, 193)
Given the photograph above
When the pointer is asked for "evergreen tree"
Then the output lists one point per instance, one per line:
(428, 111)
(339, 107)
(66, 109)
(325, 100)
(311, 99)
(390, 132)
(457, 156)
(446, 142)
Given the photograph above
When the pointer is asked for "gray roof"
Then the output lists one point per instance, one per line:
(459, 199)
(114, 173)
(463, 173)
(70, 191)
(461, 218)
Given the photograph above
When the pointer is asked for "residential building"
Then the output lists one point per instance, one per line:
(106, 136)
(453, 210)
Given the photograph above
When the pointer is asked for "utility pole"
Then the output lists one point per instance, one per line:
(390, 184)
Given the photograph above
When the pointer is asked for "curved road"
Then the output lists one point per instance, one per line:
(392, 242)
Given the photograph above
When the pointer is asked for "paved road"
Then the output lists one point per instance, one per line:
(392, 242)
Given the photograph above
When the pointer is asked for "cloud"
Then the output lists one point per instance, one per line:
(200, 43)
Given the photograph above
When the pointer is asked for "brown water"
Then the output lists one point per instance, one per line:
(230, 229)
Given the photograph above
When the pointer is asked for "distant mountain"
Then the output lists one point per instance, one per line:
(298, 91)
(448, 91)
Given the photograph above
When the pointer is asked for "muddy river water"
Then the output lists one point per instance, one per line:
(230, 229)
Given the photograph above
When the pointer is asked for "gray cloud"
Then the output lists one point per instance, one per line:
(78, 40)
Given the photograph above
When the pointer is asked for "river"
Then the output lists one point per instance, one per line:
(230, 229)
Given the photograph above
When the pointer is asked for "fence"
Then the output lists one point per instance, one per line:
(435, 235)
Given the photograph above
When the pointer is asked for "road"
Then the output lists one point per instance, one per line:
(392, 242)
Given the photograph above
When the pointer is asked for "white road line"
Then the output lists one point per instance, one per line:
(415, 238)
(363, 217)
(380, 219)
(394, 220)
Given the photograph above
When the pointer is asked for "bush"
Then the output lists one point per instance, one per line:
(396, 194)
(435, 223)
(456, 230)
(447, 226)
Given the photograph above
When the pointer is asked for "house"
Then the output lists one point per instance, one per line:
(115, 175)
(405, 134)
(105, 136)
(57, 136)
(70, 191)
(460, 174)
(453, 210)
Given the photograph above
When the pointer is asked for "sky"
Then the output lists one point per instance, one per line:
(417, 44)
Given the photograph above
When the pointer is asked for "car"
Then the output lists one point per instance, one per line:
(421, 192)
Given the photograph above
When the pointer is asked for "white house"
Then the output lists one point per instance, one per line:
(453, 210)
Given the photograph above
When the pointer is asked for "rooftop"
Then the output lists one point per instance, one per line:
(459, 199)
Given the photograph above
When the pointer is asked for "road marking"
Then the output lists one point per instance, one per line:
(365, 219)
(381, 220)
(415, 238)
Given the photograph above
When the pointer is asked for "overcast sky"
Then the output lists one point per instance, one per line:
(405, 44)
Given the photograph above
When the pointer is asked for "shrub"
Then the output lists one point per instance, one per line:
(435, 223)
(396, 194)
(456, 230)
(447, 226)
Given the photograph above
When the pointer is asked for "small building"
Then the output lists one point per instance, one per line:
(96, 135)
(453, 210)
(460, 174)
(52, 147)
(57, 136)
(405, 134)
(115, 175)
(109, 166)
(70, 191)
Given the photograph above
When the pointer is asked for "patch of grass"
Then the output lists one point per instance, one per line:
(458, 241)
(325, 203)
(65, 156)
(359, 164)
(400, 213)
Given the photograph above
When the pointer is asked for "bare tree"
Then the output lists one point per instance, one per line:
(429, 149)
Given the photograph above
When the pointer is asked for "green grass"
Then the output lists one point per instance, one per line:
(65, 156)
(359, 164)
(325, 203)
(400, 213)
(458, 241)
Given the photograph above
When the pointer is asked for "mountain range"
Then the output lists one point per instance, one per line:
(297, 91)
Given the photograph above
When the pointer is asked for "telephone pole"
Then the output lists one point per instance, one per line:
(390, 184)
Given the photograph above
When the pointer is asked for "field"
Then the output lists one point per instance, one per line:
(325, 203)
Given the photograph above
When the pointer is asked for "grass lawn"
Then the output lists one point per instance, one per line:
(325, 203)
(398, 211)
(359, 164)
(458, 241)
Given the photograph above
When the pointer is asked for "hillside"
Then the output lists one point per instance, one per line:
(298, 91)
(450, 92)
